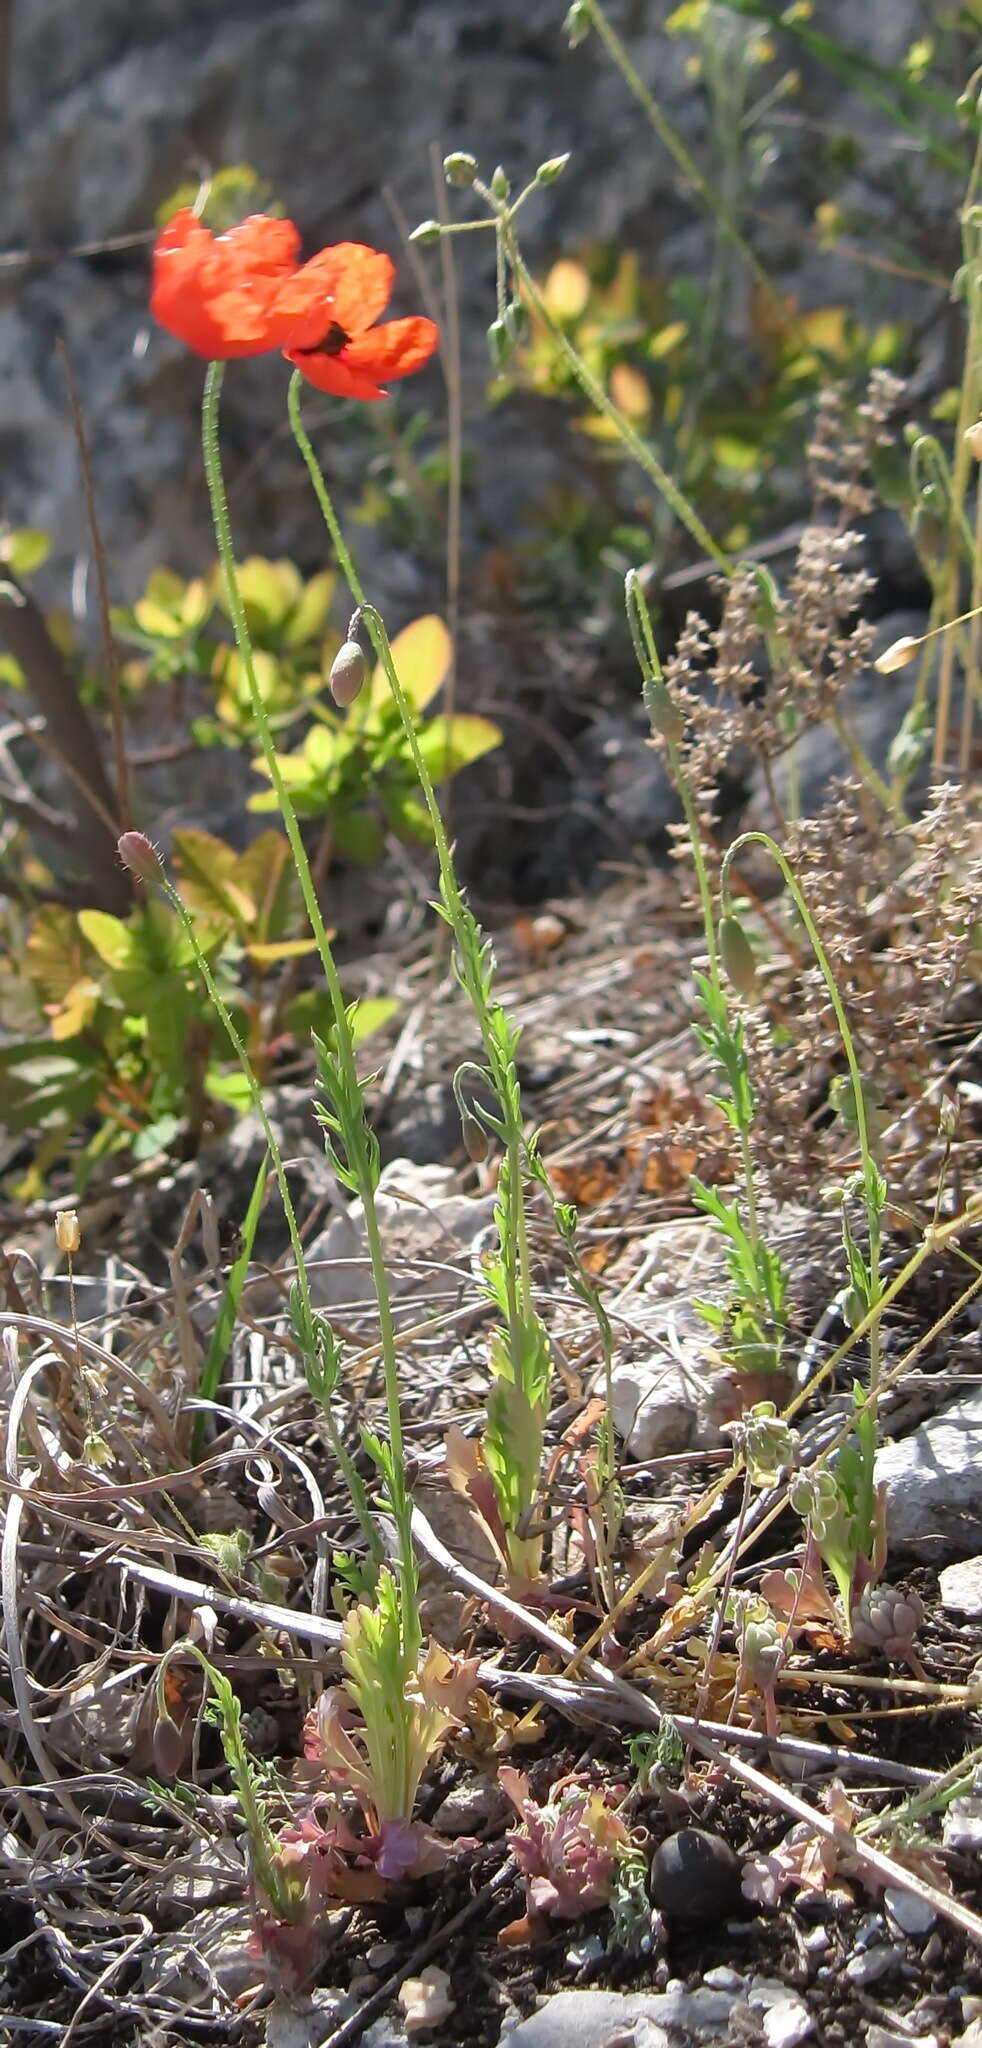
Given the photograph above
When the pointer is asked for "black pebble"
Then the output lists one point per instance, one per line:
(695, 1876)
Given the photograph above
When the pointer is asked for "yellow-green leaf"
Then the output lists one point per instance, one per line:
(448, 744)
(266, 955)
(566, 289)
(25, 549)
(311, 609)
(113, 941)
(421, 653)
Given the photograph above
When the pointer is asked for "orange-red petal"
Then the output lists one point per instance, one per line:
(395, 349)
(347, 285)
(217, 294)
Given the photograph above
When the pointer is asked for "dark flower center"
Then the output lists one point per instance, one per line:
(334, 341)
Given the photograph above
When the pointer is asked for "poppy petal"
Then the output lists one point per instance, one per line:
(393, 350)
(347, 285)
(217, 294)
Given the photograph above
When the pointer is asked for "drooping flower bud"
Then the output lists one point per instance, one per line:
(142, 859)
(666, 717)
(460, 168)
(475, 1138)
(427, 231)
(500, 343)
(68, 1231)
(577, 23)
(347, 675)
(737, 955)
(168, 1746)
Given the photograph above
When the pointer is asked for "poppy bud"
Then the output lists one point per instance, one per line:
(68, 1234)
(347, 673)
(460, 168)
(737, 955)
(499, 343)
(475, 1139)
(142, 859)
(897, 655)
(427, 231)
(168, 1746)
(666, 718)
(552, 169)
(500, 186)
(577, 23)
(516, 322)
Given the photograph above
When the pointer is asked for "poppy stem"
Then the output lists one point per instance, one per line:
(360, 1168)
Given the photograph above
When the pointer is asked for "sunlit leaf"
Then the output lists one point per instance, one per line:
(25, 549)
(566, 289)
(825, 329)
(208, 870)
(112, 939)
(450, 743)
(310, 611)
(421, 654)
(629, 390)
(266, 954)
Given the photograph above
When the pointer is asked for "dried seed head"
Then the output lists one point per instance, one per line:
(897, 655)
(737, 955)
(142, 859)
(68, 1231)
(347, 675)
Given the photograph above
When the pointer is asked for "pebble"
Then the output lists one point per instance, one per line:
(724, 1979)
(786, 2020)
(381, 1955)
(471, 1805)
(582, 1953)
(962, 1825)
(907, 1914)
(588, 2019)
(885, 2037)
(933, 1481)
(875, 1963)
(695, 1876)
(960, 1587)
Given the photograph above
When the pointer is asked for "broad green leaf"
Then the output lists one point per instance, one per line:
(231, 1088)
(448, 744)
(267, 874)
(310, 611)
(208, 869)
(421, 654)
(38, 1088)
(55, 954)
(75, 1011)
(112, 939)
(269, 590)
(267, 955)
(359, 835)
(156, 1137)
(312, 1011)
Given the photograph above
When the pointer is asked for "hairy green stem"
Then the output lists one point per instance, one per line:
(401, 1502)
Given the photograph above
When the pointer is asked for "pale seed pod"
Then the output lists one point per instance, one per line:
(737, 955)
(68, 1231)
(347, 675)
(897, 655)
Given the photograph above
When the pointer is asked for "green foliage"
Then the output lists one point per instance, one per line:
(359, 772)
(843, 1510)
(222, 200)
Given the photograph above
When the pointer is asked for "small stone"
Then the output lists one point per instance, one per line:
(962, 1825)
(588, 2019)
(363, 1985)
(471, 1805)
(960, 1587)
(885, 2037)
(381, 1955)
(724, 1979)
(877, 1962)
(786, 2020)
(583, 1953)
(933, 1481)
(907, 1914)
(695, 1876)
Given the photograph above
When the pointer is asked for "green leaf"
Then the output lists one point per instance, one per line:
(448, 744)
(306, 620)
(114, 942)
(25, 549)
(359, 835)
(269, 591)
(421, 654)
(208, 869)
(12, 676)
(156, 1137)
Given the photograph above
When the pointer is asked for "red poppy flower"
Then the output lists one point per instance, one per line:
(330, 307)
(218, 294)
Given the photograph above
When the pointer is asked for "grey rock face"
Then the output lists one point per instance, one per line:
(111, 106)
(588, 2019)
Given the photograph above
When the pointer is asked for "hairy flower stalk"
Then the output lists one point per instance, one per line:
(518, 1406)
(347, 1118)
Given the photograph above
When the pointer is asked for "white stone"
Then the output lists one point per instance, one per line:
(933, 1481)
(960, 1586)
(962, 1825)
(873, 1963)
(588, 2019)
(906, 1913)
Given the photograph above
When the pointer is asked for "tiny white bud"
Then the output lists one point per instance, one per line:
(68, 1231)
(427, 231)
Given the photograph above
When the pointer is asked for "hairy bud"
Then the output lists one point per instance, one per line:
(142, 859)
(552, 169)
(737, 955)
(427, 231)
(347, 675)
(68, 1232)
(460, 168)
